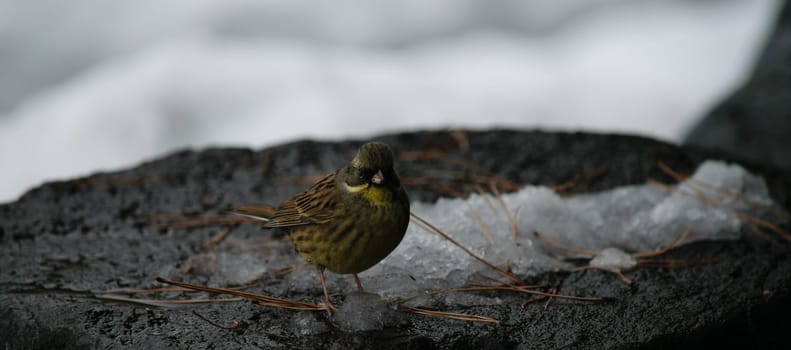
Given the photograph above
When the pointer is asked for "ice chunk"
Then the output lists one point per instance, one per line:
(613, 259)
(237, 262)
(365, 312)
(392, 283)
(307, 323)
(630, 218)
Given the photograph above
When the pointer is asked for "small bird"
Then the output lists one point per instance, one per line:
(346, 222)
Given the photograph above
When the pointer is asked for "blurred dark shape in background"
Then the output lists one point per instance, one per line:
(755, 122)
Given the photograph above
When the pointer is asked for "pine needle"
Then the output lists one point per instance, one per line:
(431, 228)
(528, 291)
(264, 300)
(450, 315)
(561, 246)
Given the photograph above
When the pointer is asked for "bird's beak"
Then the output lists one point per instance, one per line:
(378, 178)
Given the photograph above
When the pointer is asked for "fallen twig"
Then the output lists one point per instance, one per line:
(170, 290)
(263, 300)
(554, 290)
(164, 302)
(484, 228)
(178, 221)
(677, 242)
(508, 213)
(561, 246)
(735, 195)
(744, 217)
(450, 315)
(641, 258)
(219, 238)
(431, 228)
(617, 272)
(520, 289)
(578, 182)
(236, 323)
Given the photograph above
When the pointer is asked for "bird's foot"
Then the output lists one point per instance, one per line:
(329, 308)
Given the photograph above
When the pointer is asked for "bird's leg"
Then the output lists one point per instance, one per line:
(359, 285)
(327, 302)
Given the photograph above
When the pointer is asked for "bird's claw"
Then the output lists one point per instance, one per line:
(329, 308)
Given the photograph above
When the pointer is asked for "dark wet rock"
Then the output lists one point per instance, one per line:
(66, 243)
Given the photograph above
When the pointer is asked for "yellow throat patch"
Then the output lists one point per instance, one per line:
(377, 196)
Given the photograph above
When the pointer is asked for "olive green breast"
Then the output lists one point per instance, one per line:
(360, 234)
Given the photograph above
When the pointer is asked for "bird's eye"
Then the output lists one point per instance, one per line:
(365, 175)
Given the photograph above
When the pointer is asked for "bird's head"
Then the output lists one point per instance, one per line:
(371, 167)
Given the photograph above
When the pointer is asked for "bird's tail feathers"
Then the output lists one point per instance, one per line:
(254, 211)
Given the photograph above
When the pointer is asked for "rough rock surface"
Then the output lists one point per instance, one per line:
(65, 243)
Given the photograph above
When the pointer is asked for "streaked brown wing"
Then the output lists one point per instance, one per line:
(314, 205)
(256, 211)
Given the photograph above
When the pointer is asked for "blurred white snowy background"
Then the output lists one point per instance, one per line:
(90, 85)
